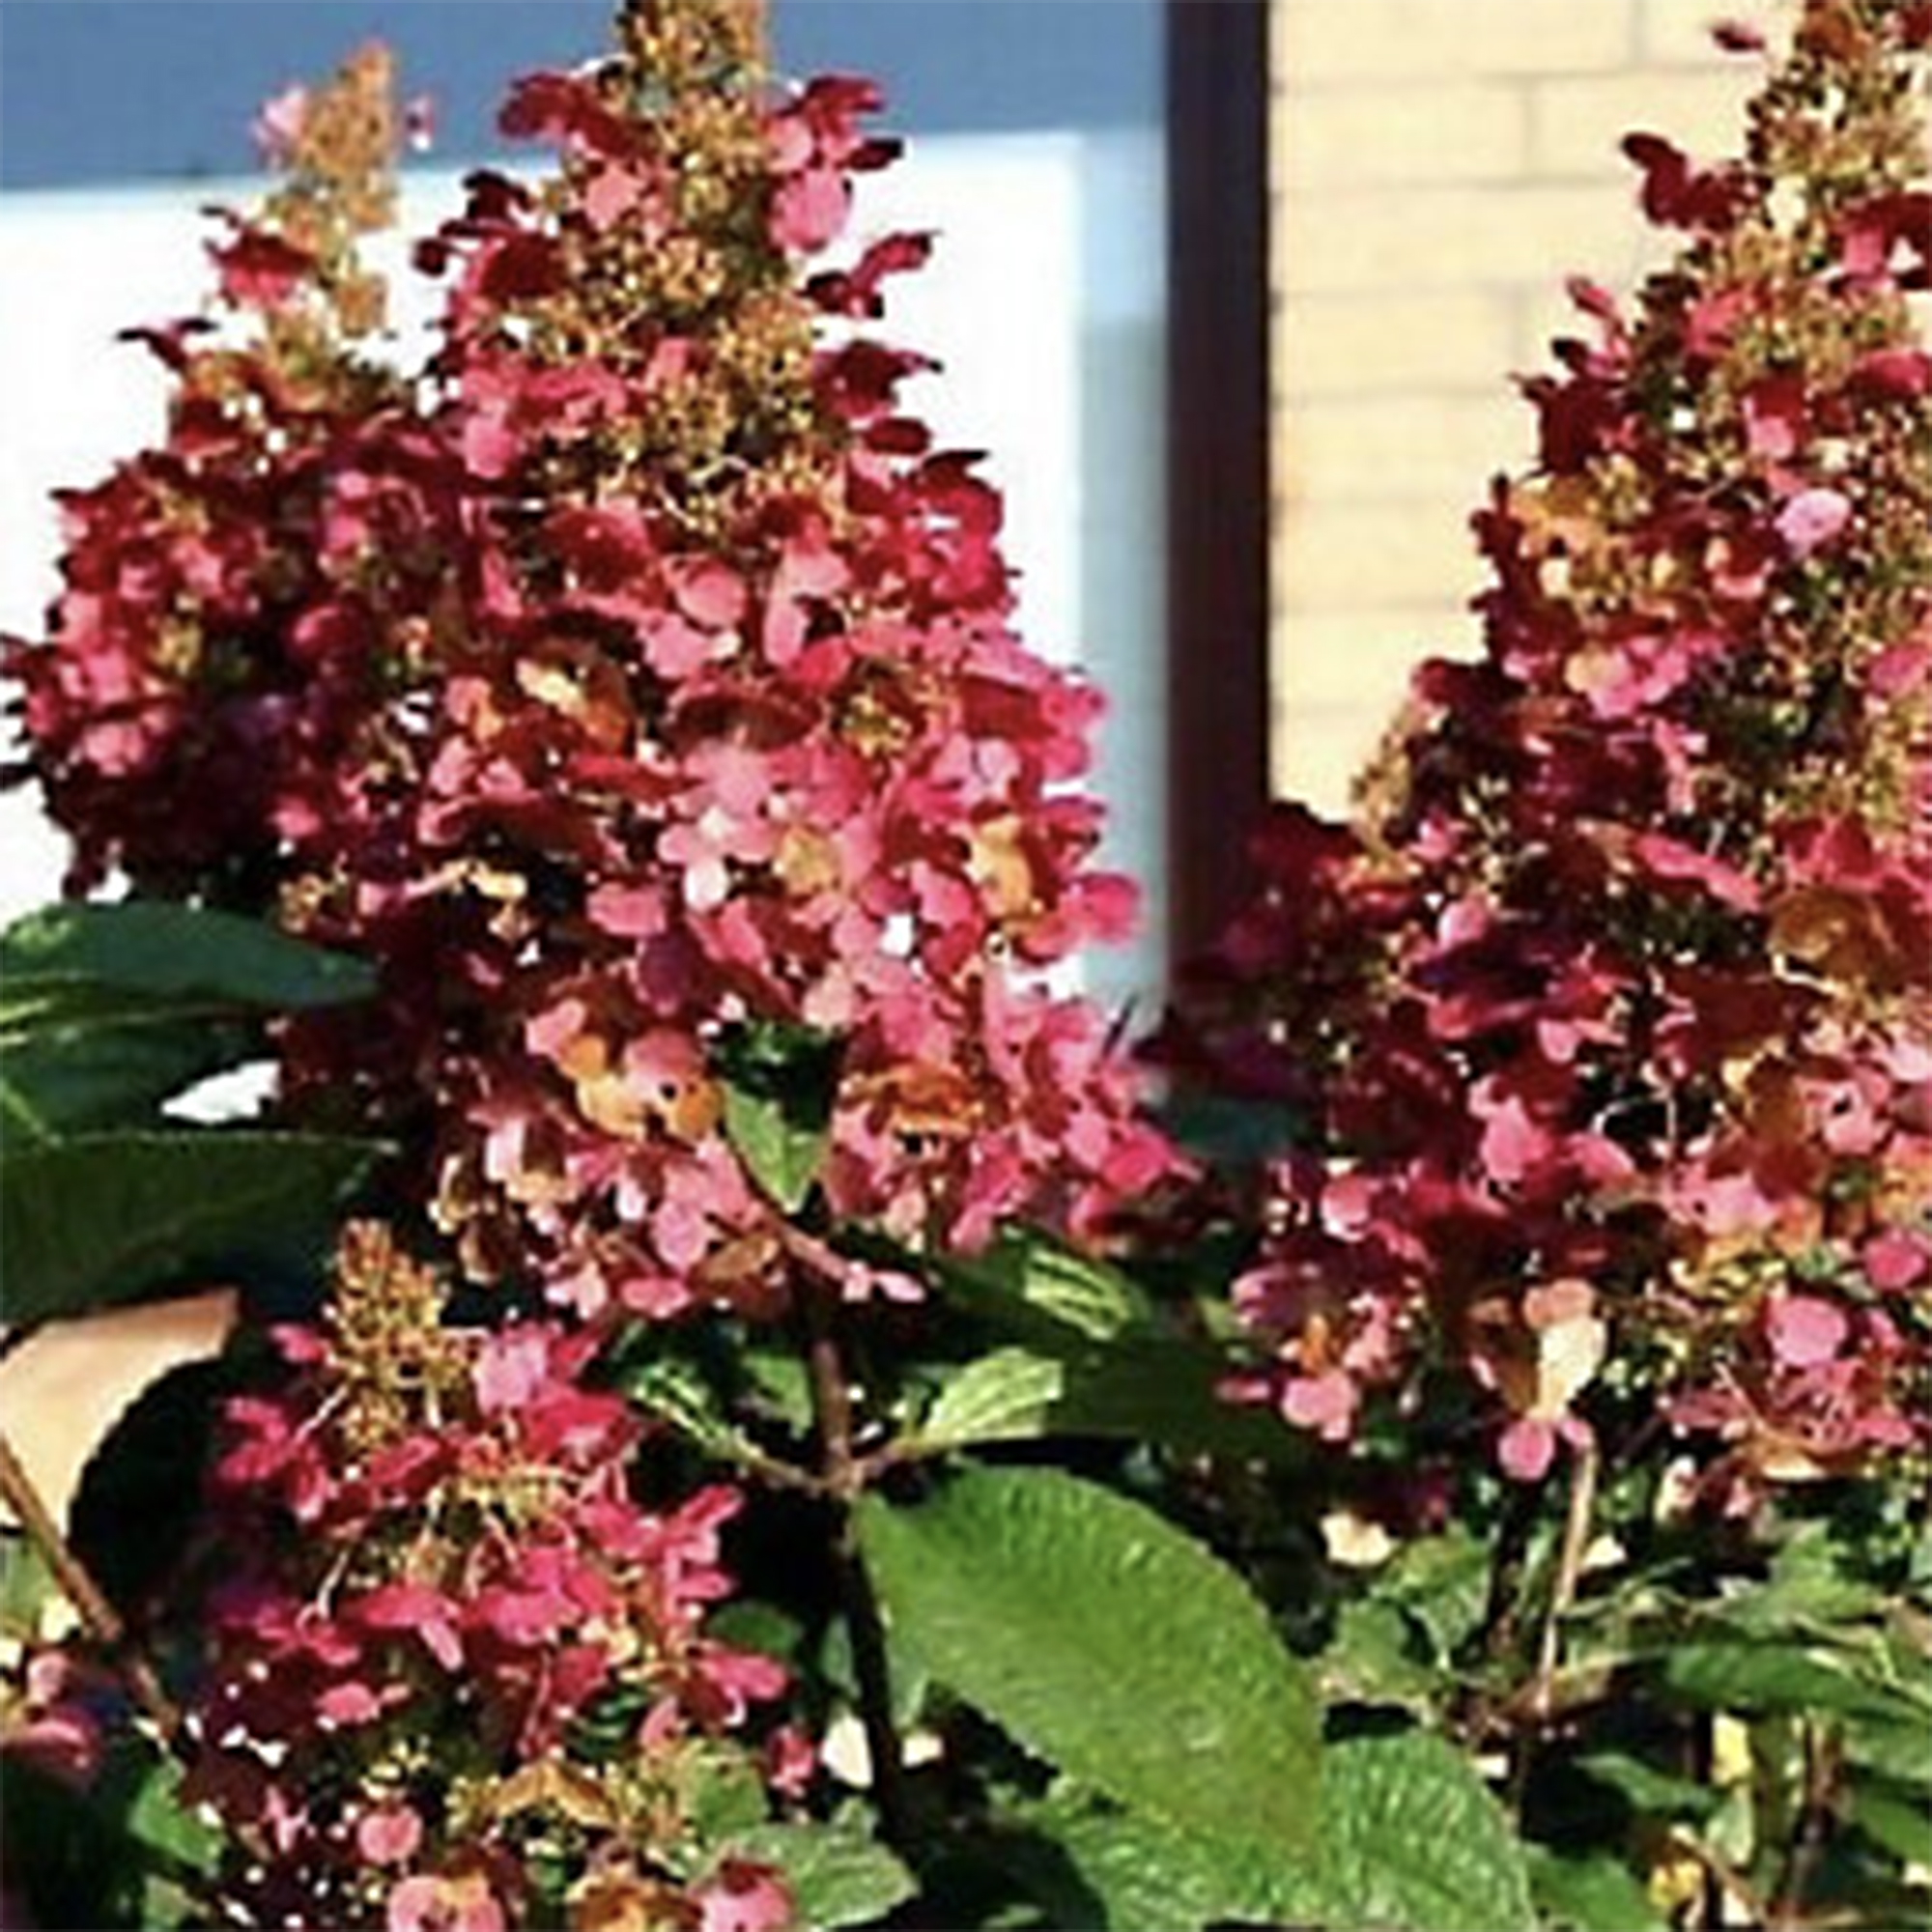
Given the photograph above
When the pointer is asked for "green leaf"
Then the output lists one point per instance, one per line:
(1591, 1895)
(186, 1837)
(1108, 1642)
(780, 1082)
(170, 951)
(1760, 1677)
(1167, 1389)
(1139, 1387)
(27, 1588)
(1895, 1819)
(781, 1385)
(1443, 1584)
(104, 1218)
(1409, 1840)
(1412, 1837)
(1144, 1876)
(1007, 1396)
(836, 1876)
(107, 1064)
(1045, 1291)
(725, 1797)
(1899, 1750)
(1648, 1791)
(678, 1393)
(1373, 1659)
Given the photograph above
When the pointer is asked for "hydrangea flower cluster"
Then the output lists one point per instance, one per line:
(457, 1673)
(1610, 1020)
(642, 676)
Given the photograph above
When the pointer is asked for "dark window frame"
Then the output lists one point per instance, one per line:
(1217, 467)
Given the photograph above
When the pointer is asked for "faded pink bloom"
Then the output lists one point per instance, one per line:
(278, 124)
(743, 1897)
(1803, 1331)
(1813, 518)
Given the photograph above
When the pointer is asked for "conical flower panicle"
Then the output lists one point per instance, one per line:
(456, 1674)
(176, 711)
(1628, 1036)
(639, 680)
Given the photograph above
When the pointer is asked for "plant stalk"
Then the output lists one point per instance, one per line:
(844, 1476)
(1569, 1569)
(99, 1617)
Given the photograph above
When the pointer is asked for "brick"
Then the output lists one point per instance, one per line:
(1575, 124)
(1371, 135)
(1323, 41)
(1323, 733)
(1357, 659)
(1428, 238)
(1354, 556)
(1346, 345)
(1315, 756)
(1437, 450)
(1680, 30)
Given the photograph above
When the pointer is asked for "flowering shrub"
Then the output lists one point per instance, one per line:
(743, 1467)
(650, 677)
(1610, 1023)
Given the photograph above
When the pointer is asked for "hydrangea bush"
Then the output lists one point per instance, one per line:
(754, 1411)
(1611, 1018)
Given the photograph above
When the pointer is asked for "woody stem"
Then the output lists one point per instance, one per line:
(844, 1477)
(99, 1617)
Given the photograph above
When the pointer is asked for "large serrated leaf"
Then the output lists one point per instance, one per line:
(106, 1219)
(837, 1876)
(167, 952)
(1107, 1641)
(1413, 1839)
(1130, 1873)
(1410, 1839)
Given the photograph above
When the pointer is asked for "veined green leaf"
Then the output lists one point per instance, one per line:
(1007, 1396)
(103, 1218)
(1045, 1292)
(1141, 1875)
(1645, 1788)
(1755, 1677)
(109, 1064)
(1412, 1837)
(1139, 1387)
(1599, 1893)
(166, 951)
(1107, 1641)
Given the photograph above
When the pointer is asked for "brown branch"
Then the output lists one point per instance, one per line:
(1813, 1822)
(99, 1617)
(845, 1477)
(1569, 1569)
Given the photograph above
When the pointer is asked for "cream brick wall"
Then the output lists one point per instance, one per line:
(1439, 167)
